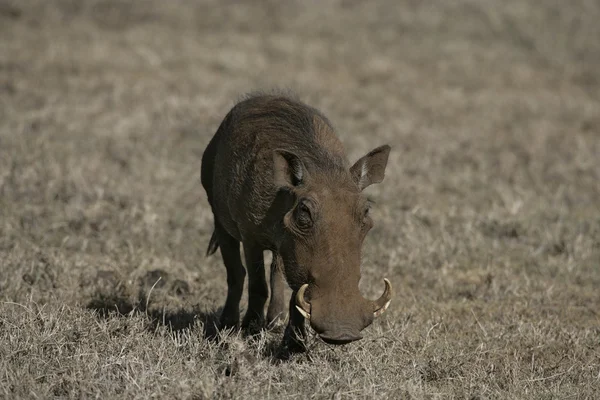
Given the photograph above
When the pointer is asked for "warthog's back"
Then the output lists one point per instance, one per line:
(237, 166)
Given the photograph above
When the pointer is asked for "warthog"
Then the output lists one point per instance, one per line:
(277, 178)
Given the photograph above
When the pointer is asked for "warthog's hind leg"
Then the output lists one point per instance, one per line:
(258, 291)
(230, 250)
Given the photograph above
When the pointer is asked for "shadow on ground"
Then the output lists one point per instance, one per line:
(167, 307)
(111, 304)
(163, 300)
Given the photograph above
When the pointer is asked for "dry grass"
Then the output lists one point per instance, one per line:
(488, 222)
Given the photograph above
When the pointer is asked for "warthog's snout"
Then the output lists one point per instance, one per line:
(379, 306)
(340, 322)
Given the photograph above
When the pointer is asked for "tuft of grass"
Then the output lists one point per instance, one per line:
(487, 223)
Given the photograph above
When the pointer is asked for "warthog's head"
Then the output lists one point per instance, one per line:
(321, 247)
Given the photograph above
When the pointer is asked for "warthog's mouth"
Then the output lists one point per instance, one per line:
(339, 338)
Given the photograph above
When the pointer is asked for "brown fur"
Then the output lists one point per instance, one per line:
(277, 178)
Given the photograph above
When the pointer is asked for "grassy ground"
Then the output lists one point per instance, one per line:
(487, 224)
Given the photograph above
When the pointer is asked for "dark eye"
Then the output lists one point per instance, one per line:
(303, 215)
(366, 221)
(368, 207)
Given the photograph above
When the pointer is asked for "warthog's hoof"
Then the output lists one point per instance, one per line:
(228, 321)
(293, 340)
(252, 325)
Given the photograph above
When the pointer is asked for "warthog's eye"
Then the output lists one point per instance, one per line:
(368, 207)
(366, 221)
(304, 218)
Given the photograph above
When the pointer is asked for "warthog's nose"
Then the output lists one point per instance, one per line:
(339, 338)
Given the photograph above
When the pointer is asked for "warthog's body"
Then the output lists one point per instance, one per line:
(277, 178)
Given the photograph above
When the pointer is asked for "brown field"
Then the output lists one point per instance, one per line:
(487, 224)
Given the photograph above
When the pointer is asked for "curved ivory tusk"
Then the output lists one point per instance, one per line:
(381, 304)
(302, 305)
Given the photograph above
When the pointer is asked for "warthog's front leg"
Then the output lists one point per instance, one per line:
(295, 333)
(276, 310)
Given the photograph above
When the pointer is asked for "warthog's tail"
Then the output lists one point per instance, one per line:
(213, 245)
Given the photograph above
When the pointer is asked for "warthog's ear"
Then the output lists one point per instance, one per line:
(288, 169)
(370, 168)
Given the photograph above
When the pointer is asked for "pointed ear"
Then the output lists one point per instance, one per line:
(288, 169)
(370, 168)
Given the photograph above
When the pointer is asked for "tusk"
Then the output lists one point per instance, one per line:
(301, 304)
(304, 313)
(383, 302)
